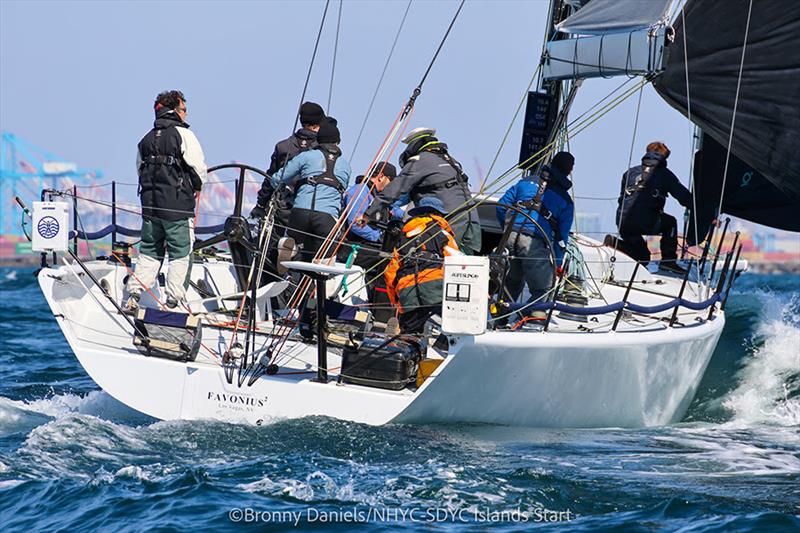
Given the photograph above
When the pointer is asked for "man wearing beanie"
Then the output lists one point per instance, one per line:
(553, 210)
(311, 116)
(319, 178)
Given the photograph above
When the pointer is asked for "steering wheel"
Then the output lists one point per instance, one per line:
(236, 231)
(499, 259)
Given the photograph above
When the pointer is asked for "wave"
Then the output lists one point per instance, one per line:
(768, 391)
(754, 375)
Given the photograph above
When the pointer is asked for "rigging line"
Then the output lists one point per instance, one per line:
(630, 159)
(121, 206)
(301, 291)
(380, 81)
(689, 117)
(311, 65)
(541, 155)
(735, 105)
(262, 246)
(335, 49)
(510, 126)
(441, 44)
(305, 86)
(299, 294)
(83, 228)
(531, 162)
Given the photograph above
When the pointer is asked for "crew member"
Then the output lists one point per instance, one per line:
(640, 208)
(311, 116)
(320, 179)
(359, 197)
(428, 170)
(415, 273)
(553, 210)
(172, 171)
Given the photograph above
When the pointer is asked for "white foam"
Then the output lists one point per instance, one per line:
(762, 393)
(720, 451)
(96, 403)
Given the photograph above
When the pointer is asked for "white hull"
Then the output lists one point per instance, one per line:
(645, 376)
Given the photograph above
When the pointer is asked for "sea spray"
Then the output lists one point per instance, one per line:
(769, 382)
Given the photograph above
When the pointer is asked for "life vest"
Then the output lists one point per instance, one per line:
(327, 178)
(536, 204)
(642, 202)
(166, 183)
(415, 272)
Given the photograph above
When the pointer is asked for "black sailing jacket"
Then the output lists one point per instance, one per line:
(643, 194)
(301, 141)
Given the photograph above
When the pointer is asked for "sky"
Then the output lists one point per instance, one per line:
(78, 78)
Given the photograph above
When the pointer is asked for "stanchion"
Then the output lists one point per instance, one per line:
(625, 298)
(680, 295)
(75, 218)
(721, 282)
(113, 214)
(719, 250)
(733, 276)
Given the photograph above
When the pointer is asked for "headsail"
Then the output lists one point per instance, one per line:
(766, 136)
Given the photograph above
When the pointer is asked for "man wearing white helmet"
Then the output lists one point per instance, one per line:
(428, 170)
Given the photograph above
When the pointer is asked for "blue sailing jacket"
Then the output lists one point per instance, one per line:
(361, 199)
(308, 165)
(555, 198)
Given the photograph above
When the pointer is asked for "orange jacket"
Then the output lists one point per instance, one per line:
(419, 260)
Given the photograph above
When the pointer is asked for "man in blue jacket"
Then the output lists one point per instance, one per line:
(360, 197)
(319, 178)
(528, 247)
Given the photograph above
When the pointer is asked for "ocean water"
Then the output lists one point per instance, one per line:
(74, 459)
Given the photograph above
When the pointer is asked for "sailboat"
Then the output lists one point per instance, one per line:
(627, 348)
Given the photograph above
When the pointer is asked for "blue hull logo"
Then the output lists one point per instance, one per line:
(48, 227)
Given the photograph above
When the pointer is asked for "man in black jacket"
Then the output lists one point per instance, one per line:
(428, 170)
(640, 208)
(311, 116)
(172, 170)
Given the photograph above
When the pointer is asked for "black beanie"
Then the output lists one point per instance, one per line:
(328, 132)
(564, 161)
(311, 113)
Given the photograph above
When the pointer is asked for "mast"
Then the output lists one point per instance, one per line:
(542, 108)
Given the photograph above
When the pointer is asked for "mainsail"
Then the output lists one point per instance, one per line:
(609, 16)
(763, 178)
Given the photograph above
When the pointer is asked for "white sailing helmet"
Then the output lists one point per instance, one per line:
(416, 133)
